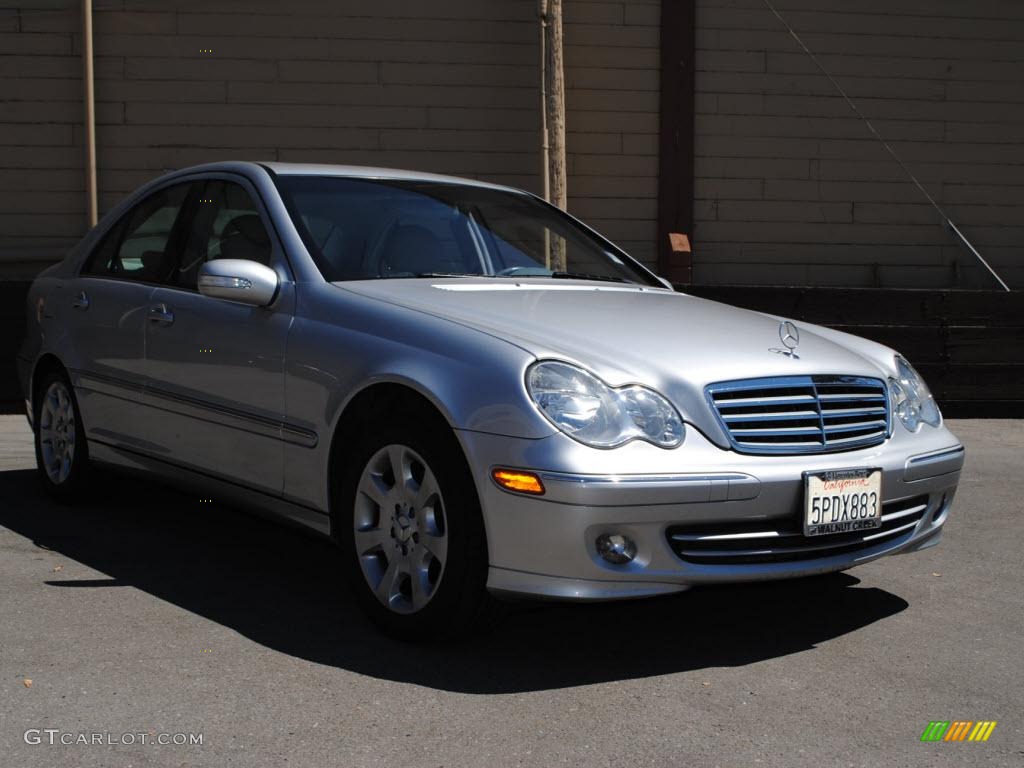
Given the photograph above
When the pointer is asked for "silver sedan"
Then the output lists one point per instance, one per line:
(472, 393)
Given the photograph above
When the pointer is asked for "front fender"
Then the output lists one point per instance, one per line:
(342, 342)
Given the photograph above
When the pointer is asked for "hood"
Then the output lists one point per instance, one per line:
(670, 341)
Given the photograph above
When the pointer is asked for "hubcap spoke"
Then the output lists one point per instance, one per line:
(399, 464)
(368, 540)
(421, 588)
(425, 490)
(372, 485)
(437, 546)
(388, 590)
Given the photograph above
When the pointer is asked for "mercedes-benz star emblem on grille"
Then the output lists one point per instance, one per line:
(790, 337)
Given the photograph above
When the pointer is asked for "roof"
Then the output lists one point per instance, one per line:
(369, 172)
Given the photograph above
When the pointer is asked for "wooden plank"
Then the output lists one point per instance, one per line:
(847, 306)
(979, 344)
(976, 383)
(675, 142)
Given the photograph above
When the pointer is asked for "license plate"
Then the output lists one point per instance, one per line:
(842, 500)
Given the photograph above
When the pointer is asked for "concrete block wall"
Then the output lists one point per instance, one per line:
(792, 189)
(449, 86)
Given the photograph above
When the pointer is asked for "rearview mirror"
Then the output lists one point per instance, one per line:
(247, 282)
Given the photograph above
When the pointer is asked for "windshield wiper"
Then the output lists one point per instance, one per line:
(556, 275)
(584, 276)
(408, 275)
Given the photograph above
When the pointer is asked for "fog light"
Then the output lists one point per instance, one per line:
(616, 548)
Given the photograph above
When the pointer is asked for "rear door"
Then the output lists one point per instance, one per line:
(214, 368)
(107, 307)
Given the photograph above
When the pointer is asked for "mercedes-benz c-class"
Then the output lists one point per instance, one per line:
(471, 392)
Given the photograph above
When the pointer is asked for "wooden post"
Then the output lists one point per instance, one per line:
(89, 98)
(553, 134)
(675, 146)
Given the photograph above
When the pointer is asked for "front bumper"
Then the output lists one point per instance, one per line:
(545, 546)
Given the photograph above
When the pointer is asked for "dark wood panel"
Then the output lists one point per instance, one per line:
(979, 344)
(675, 136)
(867, 306)
(976, 383)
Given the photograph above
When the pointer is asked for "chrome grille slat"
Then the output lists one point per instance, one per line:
(730, 536)
(802, 414)
(783, 431)
(830, 429)
(917, 510)
(853, 412)
(853, 396)
(781, 416)
(751, 542)
(903, 513)
(900, 529)
(733, 402)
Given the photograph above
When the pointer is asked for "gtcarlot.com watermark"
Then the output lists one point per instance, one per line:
(55, 736)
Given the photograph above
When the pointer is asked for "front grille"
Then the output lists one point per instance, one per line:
(802, 414)
(760, 542)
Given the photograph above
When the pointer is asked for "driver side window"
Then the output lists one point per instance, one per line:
(226, 225)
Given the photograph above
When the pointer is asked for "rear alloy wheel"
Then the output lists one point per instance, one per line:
(61, 452)
(407, 519)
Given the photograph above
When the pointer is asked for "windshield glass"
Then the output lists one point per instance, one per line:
(368, 229)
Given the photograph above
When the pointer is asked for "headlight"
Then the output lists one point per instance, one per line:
(911, 400)
(587, 409)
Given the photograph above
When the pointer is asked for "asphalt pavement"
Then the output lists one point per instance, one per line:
(151, 615)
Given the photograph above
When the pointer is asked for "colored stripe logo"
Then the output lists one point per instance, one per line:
(958, 730)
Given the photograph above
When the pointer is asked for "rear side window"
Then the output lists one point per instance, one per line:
(226, 225)
(140, 246)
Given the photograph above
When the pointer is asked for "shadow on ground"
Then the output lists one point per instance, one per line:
(280, 588)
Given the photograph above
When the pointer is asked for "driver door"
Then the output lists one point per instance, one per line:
(215, 368)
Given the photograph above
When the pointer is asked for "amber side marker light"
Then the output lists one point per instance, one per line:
(520, 482)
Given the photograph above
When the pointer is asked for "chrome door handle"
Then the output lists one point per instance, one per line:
(161, 314)
(81, 301)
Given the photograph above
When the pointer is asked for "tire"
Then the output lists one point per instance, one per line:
(414, 553)
(62, 454)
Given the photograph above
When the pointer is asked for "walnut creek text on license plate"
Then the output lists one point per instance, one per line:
(843, 500)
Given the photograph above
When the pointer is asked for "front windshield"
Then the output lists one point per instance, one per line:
(368, 229)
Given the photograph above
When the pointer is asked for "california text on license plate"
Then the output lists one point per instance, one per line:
(842, 500)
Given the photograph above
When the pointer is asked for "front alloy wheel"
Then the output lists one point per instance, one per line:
(399, 528)
(407, 519)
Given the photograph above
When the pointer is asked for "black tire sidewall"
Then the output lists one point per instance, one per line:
(462, 588)
(77, 482)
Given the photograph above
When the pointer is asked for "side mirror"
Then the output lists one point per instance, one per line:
(247, 282)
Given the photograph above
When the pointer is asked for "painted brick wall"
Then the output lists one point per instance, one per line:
(449, 86)
(792, 189)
